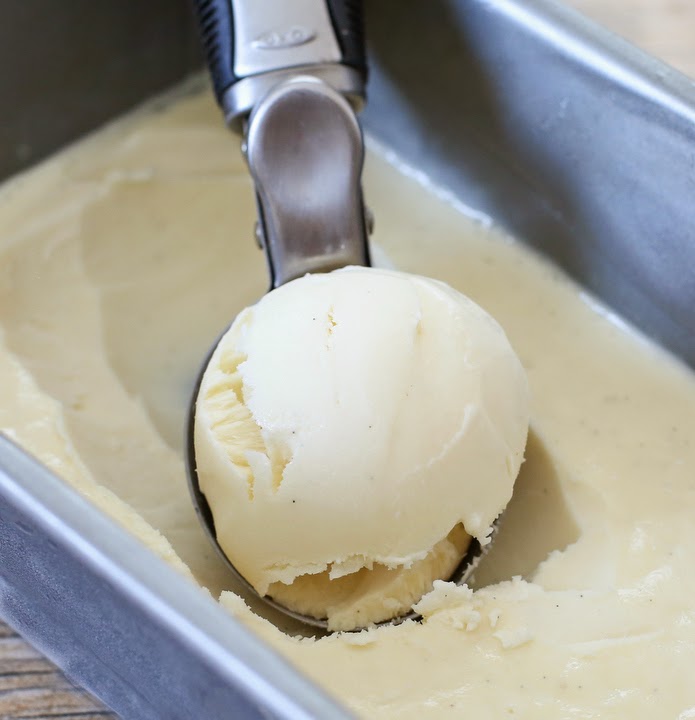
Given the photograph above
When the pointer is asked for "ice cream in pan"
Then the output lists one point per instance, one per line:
(108, 302)
(356, 433)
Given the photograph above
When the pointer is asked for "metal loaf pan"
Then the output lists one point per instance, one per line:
(578, 143)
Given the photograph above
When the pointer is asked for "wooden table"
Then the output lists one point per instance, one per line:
(30, 687)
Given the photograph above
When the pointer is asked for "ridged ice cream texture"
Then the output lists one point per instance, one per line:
(354, 419)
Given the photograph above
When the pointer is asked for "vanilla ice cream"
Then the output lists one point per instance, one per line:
(123, 257)
(358, 417)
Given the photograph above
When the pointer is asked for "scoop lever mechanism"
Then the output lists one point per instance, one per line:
(305, 152)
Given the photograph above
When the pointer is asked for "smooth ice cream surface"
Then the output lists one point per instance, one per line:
(121, 261)
(358, 417)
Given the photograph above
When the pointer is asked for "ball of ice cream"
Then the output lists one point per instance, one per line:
(348, 425)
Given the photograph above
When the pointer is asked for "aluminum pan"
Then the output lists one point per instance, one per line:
(579, 143)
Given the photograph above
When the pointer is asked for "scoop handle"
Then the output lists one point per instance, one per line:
(245, 41)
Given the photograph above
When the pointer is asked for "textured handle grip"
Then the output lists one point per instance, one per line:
(217, 34)
(348, 22)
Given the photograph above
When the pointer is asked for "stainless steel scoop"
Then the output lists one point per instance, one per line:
(290, 76)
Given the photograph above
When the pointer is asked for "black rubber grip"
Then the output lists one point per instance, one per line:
(216, 26)
(347, 17)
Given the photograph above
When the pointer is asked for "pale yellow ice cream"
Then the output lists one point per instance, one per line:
(123, 259)
(358, 417)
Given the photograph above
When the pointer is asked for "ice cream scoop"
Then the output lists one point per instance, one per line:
(344, 517)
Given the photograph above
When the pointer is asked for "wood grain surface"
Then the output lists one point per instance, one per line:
(30, 687)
